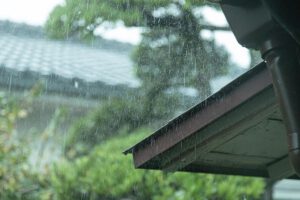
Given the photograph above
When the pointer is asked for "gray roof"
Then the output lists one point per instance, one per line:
(66, 59)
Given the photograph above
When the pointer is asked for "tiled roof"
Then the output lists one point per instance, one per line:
(66, 59)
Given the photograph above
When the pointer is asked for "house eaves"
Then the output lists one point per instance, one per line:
(12, 80)
(238, 131)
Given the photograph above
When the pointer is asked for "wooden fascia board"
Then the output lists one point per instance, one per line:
(225, 128)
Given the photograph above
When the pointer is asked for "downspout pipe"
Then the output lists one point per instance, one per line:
(281, 53)
(273, 29)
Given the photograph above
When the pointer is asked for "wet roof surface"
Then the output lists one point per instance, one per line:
(66, 59)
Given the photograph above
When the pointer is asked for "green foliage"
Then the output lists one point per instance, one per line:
(18, 180)
(171, 57)
(107, 174)
(113, 115)
(103, 173)
(15, 176)
(80, 18)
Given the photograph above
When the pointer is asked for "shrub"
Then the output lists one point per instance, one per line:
(105, 173)
(113, 116)
(16, 179)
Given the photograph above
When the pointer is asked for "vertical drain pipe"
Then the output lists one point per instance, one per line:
(264, 25)
(281, 53)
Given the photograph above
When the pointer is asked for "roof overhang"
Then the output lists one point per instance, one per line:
(236, 131)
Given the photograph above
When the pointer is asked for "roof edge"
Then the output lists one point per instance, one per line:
(227, 89)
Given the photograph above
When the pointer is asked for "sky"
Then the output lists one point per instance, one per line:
(35, 12)
(238, 53)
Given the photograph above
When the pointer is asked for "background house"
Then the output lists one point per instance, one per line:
(73, 74)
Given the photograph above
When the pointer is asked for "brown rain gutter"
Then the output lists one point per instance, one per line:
(231, 96)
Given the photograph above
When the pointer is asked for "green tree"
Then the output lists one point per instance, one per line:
(171, 56)
(80, 18)
(172, 52)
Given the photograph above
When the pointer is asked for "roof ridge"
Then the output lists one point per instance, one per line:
(30, 31)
